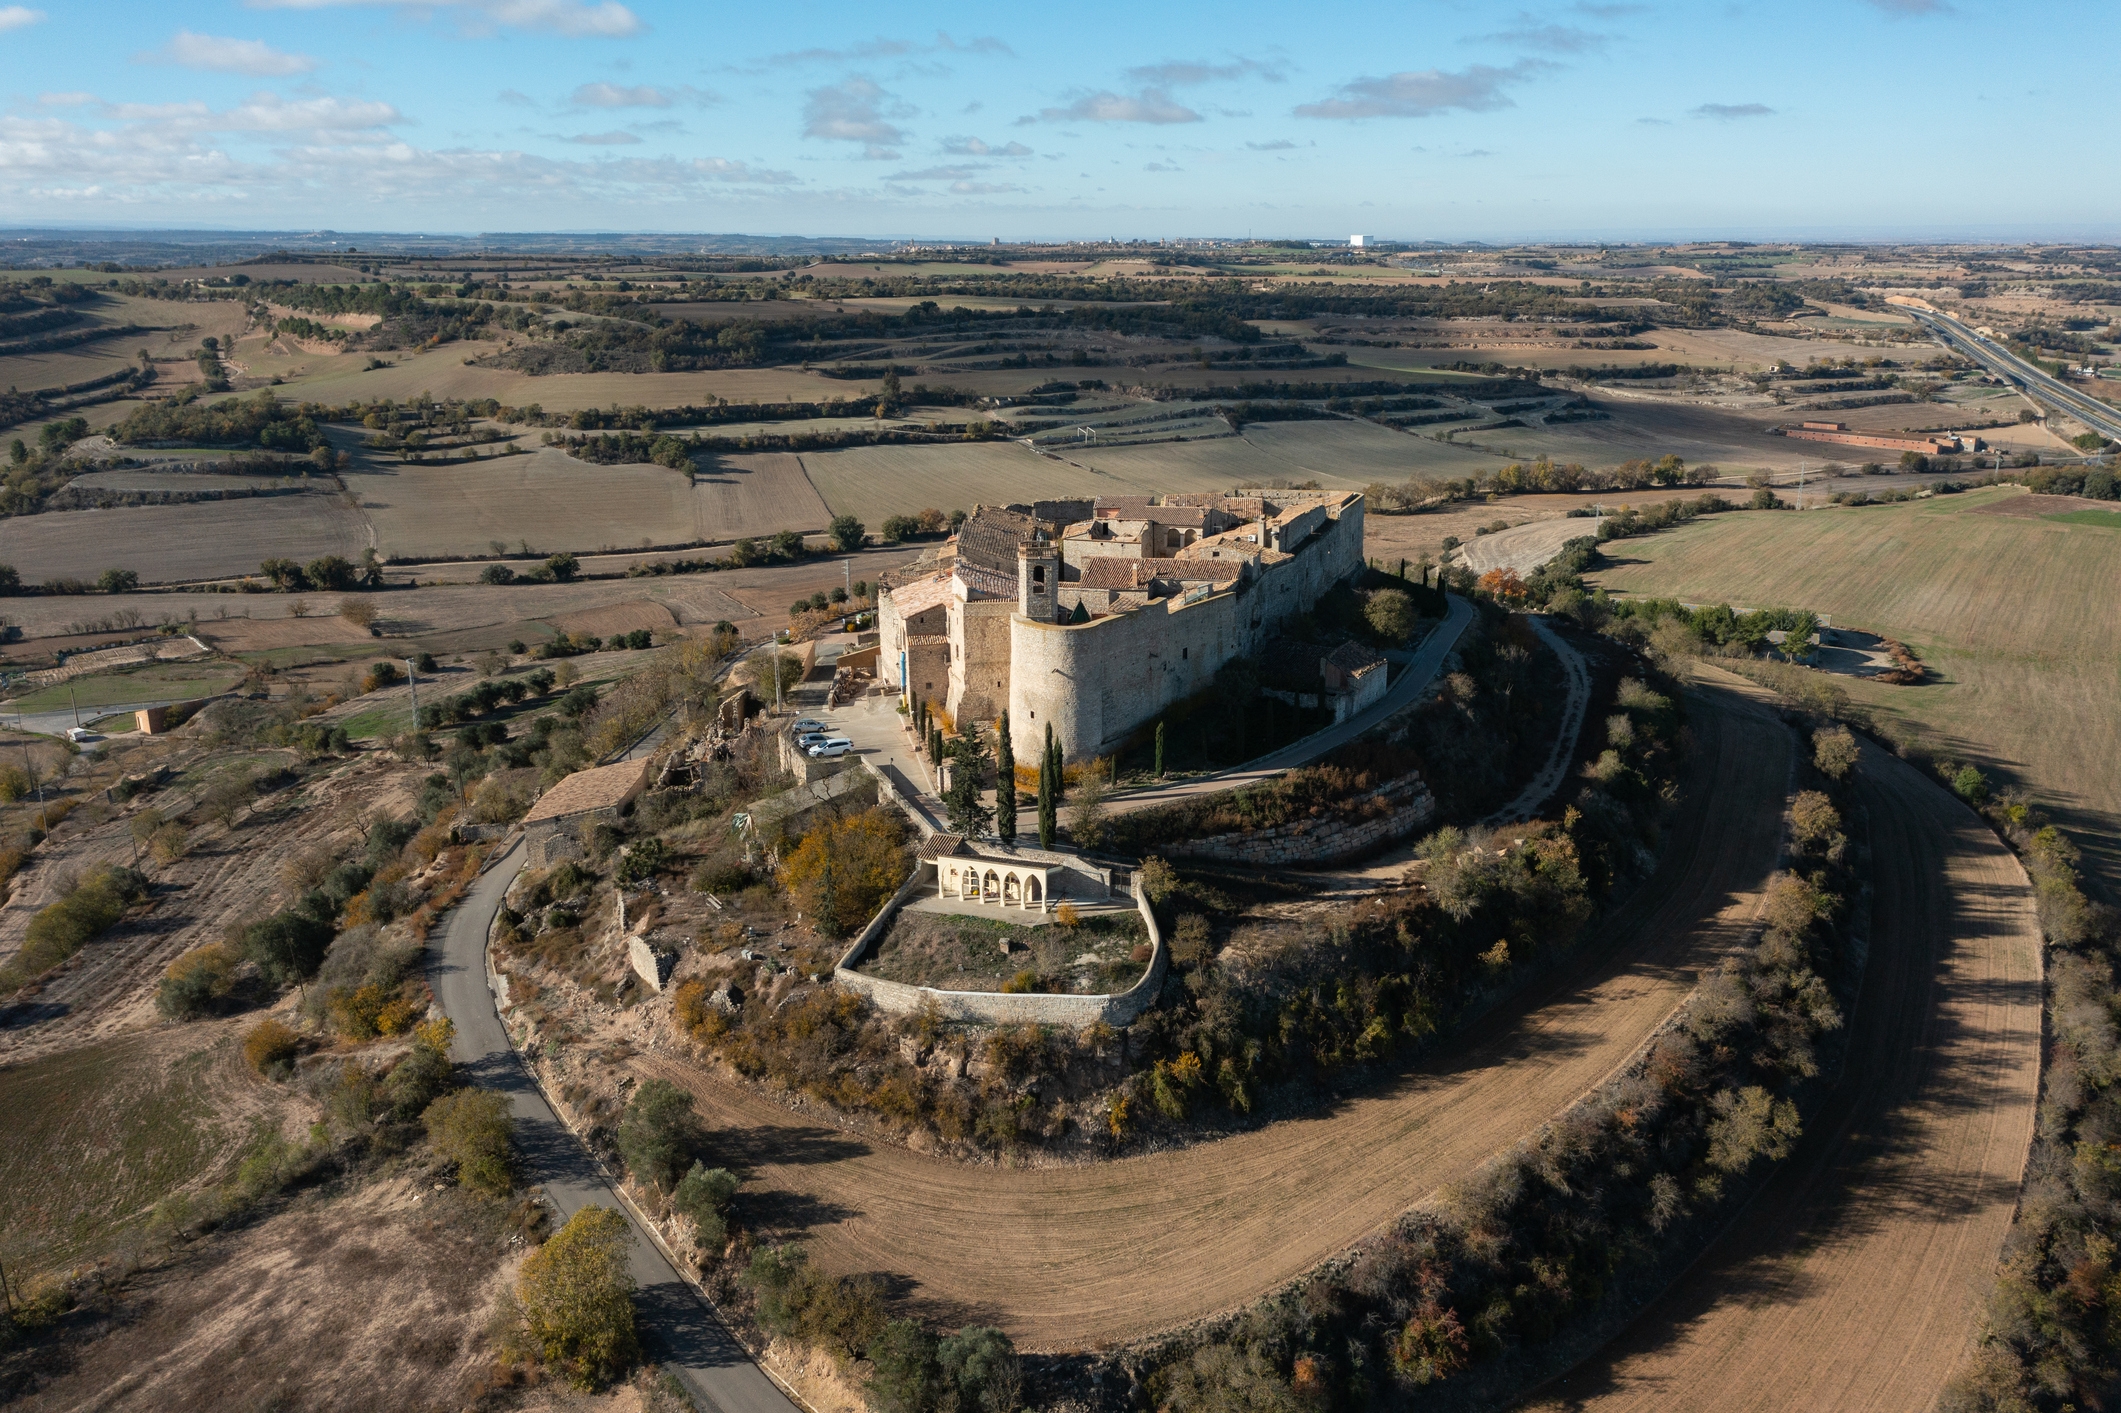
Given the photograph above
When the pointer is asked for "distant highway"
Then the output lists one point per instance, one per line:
(2097, 415)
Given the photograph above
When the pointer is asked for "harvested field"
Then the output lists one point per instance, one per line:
(175, 543)
(1354, 453)
(874, 482)
(1113, 1250)
(251, 635)
(952, 952)
(1524, 547)
(547, 498)
(762, 494)
(444, 374)
(369, 1301)
(626, 617)
(1857, 1277)
(100, 1134)
(174, 681)
(141, 478)
(555, 502)
(2013, 615)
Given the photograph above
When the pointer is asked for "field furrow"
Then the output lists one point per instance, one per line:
(1854, 1280)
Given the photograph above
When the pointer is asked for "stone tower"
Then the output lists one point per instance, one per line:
(1038, 580)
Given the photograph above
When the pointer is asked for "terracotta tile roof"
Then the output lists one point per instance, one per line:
(989, 539)
(1118, 573)
(1354, 659)
(603, 787)
(921, 595)
(940, 846)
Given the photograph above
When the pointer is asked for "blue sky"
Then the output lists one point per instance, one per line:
(1871, 119)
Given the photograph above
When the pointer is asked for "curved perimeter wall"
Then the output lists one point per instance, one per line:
(994, 1007)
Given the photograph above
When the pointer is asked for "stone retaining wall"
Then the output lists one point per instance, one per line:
(1321, 841)
(999, 1008)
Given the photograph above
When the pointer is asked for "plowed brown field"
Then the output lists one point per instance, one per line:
(1854, 1280)
(1069, 1256)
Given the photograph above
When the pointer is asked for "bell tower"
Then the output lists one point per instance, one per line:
(1038, 580)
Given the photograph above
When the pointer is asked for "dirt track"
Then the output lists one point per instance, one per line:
(1066, 1257)
(1855, 1279)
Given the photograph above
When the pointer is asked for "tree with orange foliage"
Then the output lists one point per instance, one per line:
(844, 869)
(1503, 585)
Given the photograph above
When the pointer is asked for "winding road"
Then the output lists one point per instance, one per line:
(678, 1329)
(1856, 1278)
(1066, 1256)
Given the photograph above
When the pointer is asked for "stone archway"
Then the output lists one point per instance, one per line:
(1012, 888)
(1034, 893)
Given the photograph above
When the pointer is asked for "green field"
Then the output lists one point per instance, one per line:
(2108, 519)
(96, 1137)
(165, 681)
(2014, 614)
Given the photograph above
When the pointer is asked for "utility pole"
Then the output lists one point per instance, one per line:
(412, 685)
(75, 703)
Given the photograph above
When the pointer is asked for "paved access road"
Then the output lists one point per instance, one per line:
(678, 1330)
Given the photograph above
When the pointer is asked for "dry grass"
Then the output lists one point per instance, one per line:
(98, 1135)
(2014, 615)
(173, 543)
(375, 1301)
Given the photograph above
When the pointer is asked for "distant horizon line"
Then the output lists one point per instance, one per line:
(24, 231)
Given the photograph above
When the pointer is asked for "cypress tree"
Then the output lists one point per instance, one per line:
(1004, 784)
(1047, 816)
(1159, 750)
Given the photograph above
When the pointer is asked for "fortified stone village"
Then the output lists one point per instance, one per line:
(1092, 616)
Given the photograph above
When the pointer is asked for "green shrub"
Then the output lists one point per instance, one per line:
(471, 1129)
(63, 928)
(844, 1315)
(658, 1133)
(703, 1194)
(575, 1299)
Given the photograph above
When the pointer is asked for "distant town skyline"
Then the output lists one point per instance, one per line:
(1865, 119)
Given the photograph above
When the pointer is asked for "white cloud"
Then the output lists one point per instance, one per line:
(174, 158)
(1180, 73)
(639, 96)
(936, 174)
(611, 95)
(882, 48)
(603, 19)
(1913, 7)
(1531, 33)
(214, 54)
(1727, 112)
(974, 147)
(1424, 93)
(604, 139)
(1279, 144)
(854, 111)
(18, 17)
(1149, 106)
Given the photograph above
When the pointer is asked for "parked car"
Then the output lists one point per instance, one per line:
(809, 738)
(831, 748)
(807, 724)
(78, 734)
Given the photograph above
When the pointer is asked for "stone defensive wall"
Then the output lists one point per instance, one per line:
(1097, 682)
(995, 1007)
(1322, 841)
